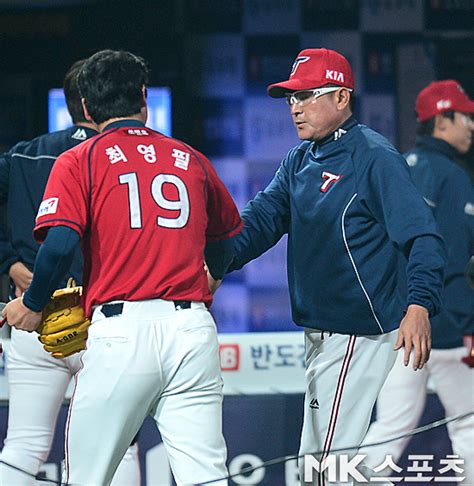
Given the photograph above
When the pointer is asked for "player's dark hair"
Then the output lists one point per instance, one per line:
(71, 92)
(427, 127)
(111, 84)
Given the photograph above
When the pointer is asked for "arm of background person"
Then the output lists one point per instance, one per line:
(52, 262)
(8, 255)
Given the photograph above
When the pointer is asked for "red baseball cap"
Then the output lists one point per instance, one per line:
(314, 68)
(441, 96)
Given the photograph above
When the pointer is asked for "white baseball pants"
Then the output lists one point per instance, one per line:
(344, 374)
(37, 386)
(150, 360)
(402, 401)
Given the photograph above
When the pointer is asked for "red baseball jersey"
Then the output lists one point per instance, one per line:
(144, 205)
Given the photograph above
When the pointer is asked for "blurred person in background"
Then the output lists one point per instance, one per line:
(444, 132)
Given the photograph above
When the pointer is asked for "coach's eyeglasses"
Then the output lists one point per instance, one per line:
(302, 97)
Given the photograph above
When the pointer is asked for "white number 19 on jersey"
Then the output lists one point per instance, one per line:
(181, 204)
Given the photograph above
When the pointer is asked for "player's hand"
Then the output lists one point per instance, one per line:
(20, 317)
(415, 334)
(21, 277)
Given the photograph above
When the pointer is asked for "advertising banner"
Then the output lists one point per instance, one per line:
(269, 132)
(271, 16)
(391, 15)
(214, 65)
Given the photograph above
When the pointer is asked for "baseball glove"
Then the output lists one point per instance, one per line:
(63, 330)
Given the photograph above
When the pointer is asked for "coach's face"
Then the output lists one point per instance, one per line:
(459, 131)
(315, 117)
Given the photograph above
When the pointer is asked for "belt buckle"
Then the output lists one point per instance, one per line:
(112, 310)
(182, 304)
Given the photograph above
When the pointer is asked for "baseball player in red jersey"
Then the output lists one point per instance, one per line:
(144, 206)
(33, 374)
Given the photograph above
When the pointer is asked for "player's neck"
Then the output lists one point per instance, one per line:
(92, 126)
(138, 116)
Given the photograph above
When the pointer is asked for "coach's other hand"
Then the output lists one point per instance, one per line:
(20, 317)
(415, 333)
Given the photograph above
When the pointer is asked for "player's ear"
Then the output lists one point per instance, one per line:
(86, 113)
(144, 95)
(144, 113)
(144, 108)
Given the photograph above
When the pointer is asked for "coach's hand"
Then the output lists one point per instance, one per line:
(212, 283)
(20, 317)
(21, 277)
(415, 333)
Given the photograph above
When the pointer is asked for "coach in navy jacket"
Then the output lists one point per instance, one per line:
(345, 198)
(350, 210)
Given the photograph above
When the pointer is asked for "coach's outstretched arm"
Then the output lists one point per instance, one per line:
(266, 219)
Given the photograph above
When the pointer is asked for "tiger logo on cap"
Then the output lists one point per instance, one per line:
(298, 61)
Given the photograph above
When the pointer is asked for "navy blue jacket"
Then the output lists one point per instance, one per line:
(351, 213)
(24, 171)
(447, 189)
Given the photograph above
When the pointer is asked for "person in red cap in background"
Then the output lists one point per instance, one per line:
(345, 198)
(444, 134)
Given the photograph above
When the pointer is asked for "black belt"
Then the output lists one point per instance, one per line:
(112, 310)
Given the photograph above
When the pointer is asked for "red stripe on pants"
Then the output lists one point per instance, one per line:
(337, 403)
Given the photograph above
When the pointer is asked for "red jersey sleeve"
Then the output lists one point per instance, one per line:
(224, 219)
(65, 200)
